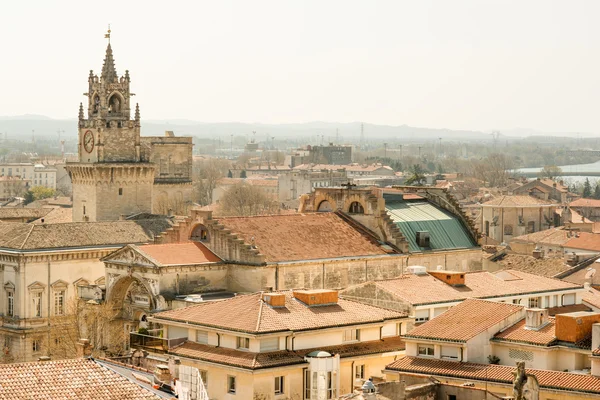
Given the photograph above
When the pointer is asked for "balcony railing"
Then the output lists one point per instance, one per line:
(154, 341)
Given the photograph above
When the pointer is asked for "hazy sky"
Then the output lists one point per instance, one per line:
(456, 64)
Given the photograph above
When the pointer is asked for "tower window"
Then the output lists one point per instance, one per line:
(83, 210)
(120, 191)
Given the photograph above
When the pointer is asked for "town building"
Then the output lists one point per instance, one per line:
(497, 380)
(510, 216)
(120, 172)
(425, 295)
(546, 189)
(482, 331)
(308, 344)
(32, 174)
(13, 186)
(330, 154)
(589, 208)
(44, 267)
(293, 184)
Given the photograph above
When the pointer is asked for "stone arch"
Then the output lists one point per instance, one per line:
(116, 103)
(118, 290)
(200, 233)
(324, 203)
(95, 104)
(355, 201)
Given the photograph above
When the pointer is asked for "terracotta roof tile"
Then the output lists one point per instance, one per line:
(553, 236)
(585, 241)
(67, 380)
(245, 359)
(517, 201)
(465, 320)
(547, 267)
(592, 297)
(248, 313)
(8, 213)
(302, 236)
(179, 253)
(425, 289)
(517, 333)
(496, 373)
(585, 203)
(76, 234)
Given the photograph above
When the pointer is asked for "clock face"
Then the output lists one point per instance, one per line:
(88, 141)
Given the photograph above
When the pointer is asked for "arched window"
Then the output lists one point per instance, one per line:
(324, 206)
(200, 234)
(508, 229)
(356, 208)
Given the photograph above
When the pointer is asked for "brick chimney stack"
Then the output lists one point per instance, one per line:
(84, 348)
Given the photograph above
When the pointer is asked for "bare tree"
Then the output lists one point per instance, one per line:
(206, 174)
(495, 169)
(97, 322)
(243, 199)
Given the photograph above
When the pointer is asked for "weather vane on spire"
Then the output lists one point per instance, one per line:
(107, 34)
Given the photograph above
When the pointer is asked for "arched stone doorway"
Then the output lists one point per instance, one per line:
(200, 234)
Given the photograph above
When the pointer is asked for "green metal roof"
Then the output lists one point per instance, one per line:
(446, 231)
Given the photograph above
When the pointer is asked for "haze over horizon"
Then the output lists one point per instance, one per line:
(464, 65)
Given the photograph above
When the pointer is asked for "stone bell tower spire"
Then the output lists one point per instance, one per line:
(109, 73)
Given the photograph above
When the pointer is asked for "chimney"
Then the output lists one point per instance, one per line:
(452, 278)
(536, 318)
(275, 300)
(44, 359)
(317, 297)
(576, 326)
(84, 348)
(122, 217)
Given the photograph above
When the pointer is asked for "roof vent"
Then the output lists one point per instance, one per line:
(417, 270)
(452, 278)
(536, 318)
(274, 299)
(321, 297)
(423, 239)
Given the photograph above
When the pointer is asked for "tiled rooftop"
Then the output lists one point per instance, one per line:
(73, 379)
(517, 201)
(553, 236)
(248, 313)
(585, 203)
(247, 360)
(465, 320)
(187, 253)
(585, 241)
(302, 236)
(8, 213)
(496, 373)
(517, 333)
(548, 266)
(425, 289)
(80, 234)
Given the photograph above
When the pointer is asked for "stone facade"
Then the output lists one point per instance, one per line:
(119, 172)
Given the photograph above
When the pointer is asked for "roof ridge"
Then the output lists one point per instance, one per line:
(259, 319)
(27, 237)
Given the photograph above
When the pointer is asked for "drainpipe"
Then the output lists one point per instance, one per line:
(352, 377)
(48, 307)
(381, 332)
(293, 337)
(323, 275)
(218, 339)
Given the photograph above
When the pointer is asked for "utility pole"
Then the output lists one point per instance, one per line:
(441, 147)
(362, 134)
(385, 150)
(400, 151)
(231, 151)
(420, 151)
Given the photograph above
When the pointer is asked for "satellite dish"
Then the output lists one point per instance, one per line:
(590, 273)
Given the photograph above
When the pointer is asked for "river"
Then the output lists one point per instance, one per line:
(593, 167)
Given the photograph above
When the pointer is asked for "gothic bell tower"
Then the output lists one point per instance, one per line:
(111, 178)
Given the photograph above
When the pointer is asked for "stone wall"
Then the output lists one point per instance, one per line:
(176, 197)
(119, 143)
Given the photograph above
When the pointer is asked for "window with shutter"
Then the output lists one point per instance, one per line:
(269, 344)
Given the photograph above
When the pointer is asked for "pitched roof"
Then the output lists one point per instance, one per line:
(67, 380)
(548, 266)
(465, 320)
(496, 373)
(248, 360)
(552, 236)
(575, 218)
(517, 333)
(80, 234)
(302, 236)
(56, 215)
(179, 253)
(585, 203)
(446, 230)
(425, 289)
(249, 313)
(7, 213)
(517, 201)
(592, 297)
(585, 241)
